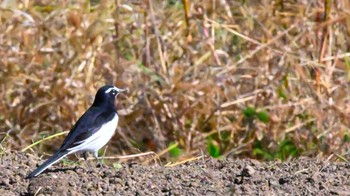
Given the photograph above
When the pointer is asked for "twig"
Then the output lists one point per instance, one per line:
(159, 40)
(46, 138)
(184, 161)
(293, 128)
(164, 151)
(303, 170)
(232, 67)
(235, 102)
(130, 156)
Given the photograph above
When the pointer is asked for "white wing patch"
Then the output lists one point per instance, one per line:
(98, 139)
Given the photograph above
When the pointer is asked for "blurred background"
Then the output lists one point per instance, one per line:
(242, 78)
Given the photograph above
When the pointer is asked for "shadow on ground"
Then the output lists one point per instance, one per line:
(206, 176)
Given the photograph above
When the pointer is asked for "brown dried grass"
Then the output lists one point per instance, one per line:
(191, 70)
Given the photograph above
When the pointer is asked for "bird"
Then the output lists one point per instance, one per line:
(92, 131)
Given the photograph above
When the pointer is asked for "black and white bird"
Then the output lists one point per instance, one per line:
(92, 131)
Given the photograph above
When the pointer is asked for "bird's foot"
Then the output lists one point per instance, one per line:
(101, 165)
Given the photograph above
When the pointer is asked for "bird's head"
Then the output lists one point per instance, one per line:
(106, 96)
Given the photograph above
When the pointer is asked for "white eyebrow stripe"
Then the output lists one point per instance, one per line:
(110, 89)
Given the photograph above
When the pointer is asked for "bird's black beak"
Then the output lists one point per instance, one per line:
(124, 90)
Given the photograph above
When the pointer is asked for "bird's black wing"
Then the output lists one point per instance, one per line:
(88, 124)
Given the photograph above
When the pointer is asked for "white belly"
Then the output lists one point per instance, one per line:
(98, 139)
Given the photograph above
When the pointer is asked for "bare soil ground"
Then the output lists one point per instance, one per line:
(205, 176)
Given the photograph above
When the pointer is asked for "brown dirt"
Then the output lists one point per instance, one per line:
(205, 176)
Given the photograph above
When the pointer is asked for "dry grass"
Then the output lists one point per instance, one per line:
(193, 69)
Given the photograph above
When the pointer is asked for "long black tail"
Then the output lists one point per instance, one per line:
(56, 157)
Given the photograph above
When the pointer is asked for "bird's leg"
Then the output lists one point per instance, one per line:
(99, 160)
(85, 156)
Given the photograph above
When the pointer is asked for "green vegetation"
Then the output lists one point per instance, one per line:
(174, 150)
(117, 166)
(240, 78)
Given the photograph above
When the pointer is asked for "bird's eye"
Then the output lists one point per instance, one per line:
(114, 92)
